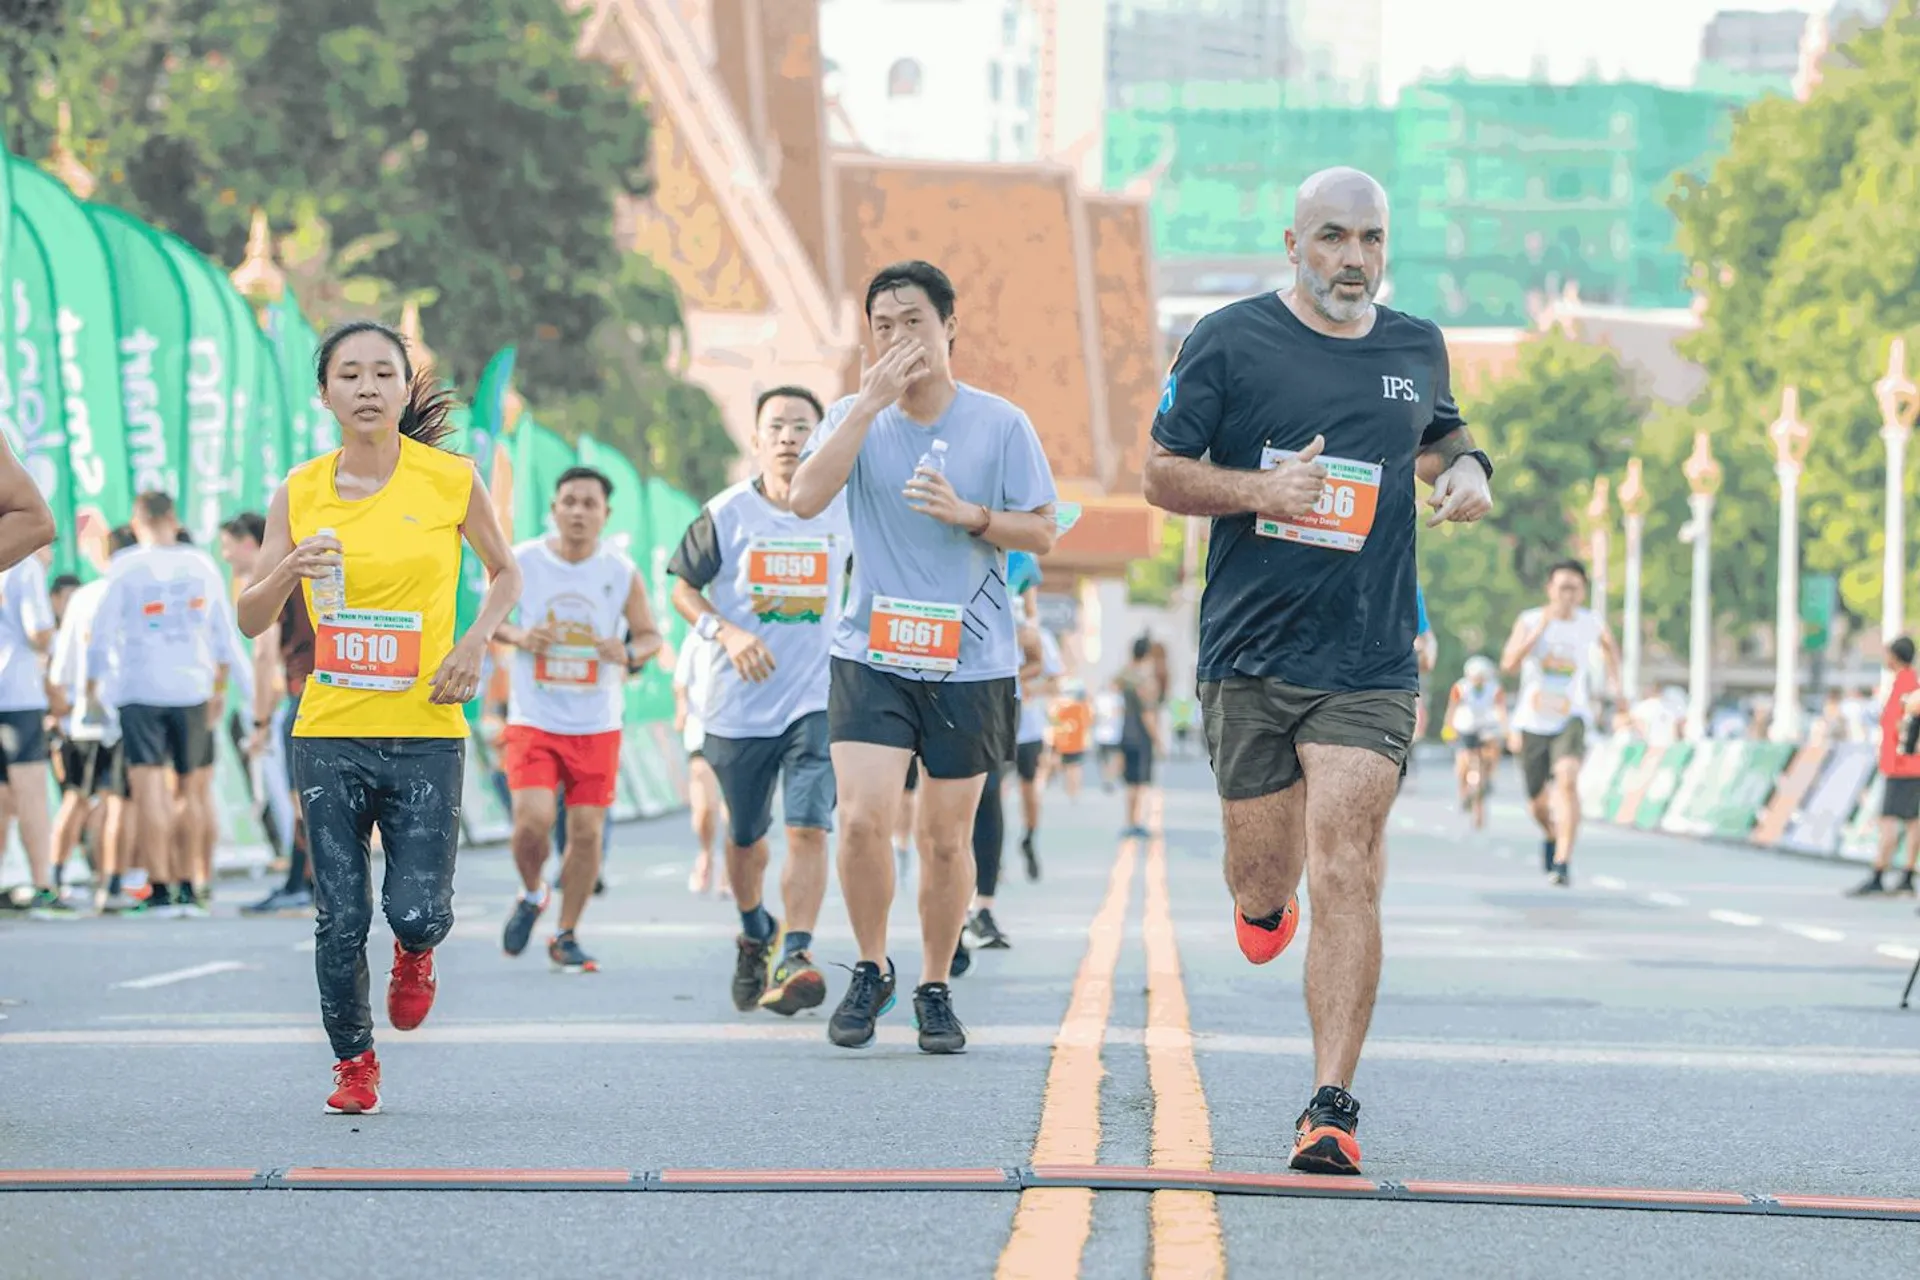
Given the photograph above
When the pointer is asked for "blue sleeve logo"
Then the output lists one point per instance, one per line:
(1167, 389)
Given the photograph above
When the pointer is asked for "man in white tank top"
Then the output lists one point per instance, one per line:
(564, 702)
(1552, 651)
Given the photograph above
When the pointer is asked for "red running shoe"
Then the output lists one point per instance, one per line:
(1324, 1138)
(410, 991)
(1263, 941)
(356, 1086)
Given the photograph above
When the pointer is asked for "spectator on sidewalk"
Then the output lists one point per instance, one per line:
(1900, 767)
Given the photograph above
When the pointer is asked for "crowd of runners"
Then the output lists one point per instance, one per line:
(866, 650)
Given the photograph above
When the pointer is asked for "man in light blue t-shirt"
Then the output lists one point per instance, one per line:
(925, 657)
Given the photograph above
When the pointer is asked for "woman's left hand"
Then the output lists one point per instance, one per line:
(458, 679)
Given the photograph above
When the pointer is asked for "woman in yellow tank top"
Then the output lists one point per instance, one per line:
(371, 534)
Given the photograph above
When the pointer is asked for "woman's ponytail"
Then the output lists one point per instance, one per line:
(427, 415)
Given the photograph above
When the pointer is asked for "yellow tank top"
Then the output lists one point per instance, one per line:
(374, 661)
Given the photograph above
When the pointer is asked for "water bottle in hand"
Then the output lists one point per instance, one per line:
(330, 590)
(934, 459)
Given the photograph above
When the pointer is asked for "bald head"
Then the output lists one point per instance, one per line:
(1338, 244)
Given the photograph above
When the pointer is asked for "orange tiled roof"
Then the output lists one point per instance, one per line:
(1135, 363)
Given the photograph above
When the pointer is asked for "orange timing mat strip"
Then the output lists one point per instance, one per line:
(1025, 1178)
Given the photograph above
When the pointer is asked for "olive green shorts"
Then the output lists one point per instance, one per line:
(1255, 726)
(1539, 752)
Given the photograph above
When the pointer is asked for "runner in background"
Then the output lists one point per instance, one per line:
(1900, 768)
(1037, 689)
(1476, 718)
(989, 816)
(1180, 712)
(693, 673)
(282, 665)
(1552, 650)
(1426, 653)
(93, 770)
(566, 696)
(767, 586)
(1109, 726)
(1139, 733)
(164, 631)
(1072, 734)
(27, 626)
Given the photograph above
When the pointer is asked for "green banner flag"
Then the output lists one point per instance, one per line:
(311, 428)
(153, 349)
(539, 458)
(263, 456)
(244, 418)
(8, 427)
(33, 412)
(210, 375)
(85, 318)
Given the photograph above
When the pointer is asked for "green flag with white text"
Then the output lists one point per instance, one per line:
(263, 455)
(86, 321)
(310, 427)
(203, 493)
(36, 416)
(153, 350)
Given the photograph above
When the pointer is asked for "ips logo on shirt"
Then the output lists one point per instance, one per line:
(1167, 391)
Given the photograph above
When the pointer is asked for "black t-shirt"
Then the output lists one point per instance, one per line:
(1252, 378)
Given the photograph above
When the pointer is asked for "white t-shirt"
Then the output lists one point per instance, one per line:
(1477, 710)
(162, 627)
(68, 668)
(570, 690)
(25, 611)
(1556, 677)
(1033, 711)
(1109, 718)
(693, 672)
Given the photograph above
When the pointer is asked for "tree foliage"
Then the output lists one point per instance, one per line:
(1805, 240)
(1570, 413)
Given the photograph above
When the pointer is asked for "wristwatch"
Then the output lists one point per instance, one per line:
(708, 627)
(1480, 456)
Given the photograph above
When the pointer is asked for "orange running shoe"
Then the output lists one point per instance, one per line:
(411, 989)
(356, 1086)
(1262, 941)
(1323, 1137)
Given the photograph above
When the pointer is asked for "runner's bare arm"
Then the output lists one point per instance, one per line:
(279, 569)
(643, 639)
(1196, 487)
(458, 677)
(268, 677)
(823, 473)
(26, 524)
(1610, 650)
(1520, 642)
(1461, 493)
(748, 653)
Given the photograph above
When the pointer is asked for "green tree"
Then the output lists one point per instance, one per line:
(1569, 414)
(461, 143)
(1805, 240)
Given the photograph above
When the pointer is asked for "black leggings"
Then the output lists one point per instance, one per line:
(989, 833)
(411, 788)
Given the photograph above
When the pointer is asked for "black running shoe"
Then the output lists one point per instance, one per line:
(1562, 876)
(1032, 855)
(869, 995)
(750, 969)
(567, 957)
(1868, 888)
(1547, 849)
(962, 960)
(986, 931)
(520, 922)
(1904, 884)
(1324, 1138)
(940, 1029)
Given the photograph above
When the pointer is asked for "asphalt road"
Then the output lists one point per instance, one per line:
(1686, 1016)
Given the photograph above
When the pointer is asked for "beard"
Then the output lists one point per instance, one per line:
(1335, 308)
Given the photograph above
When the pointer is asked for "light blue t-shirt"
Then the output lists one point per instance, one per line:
(993, 458)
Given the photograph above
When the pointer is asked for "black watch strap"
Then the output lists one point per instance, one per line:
(1480, 456)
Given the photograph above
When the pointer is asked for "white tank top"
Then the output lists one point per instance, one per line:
(570, 689)
(1474, 711)
(1556, 677)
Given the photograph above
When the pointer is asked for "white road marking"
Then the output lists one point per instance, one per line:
(1661, 898)
(1607, 882)
(1740, 918)
(181, 975)
(1897, 952)
(1815, 932)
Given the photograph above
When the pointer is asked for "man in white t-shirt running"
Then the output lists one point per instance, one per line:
(767, 586)
(26, 631)
(565, 698)
(165, 632)
(1552, 650)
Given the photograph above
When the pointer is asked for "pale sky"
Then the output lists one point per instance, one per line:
(1656, 40)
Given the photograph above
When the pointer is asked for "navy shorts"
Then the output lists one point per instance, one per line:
(749, 768)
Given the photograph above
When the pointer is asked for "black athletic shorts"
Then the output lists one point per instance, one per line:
(1026, 759)
(178, 738)
(959, 729)
(1468, 741)
(1255, 726)
(91, 769)
(1136, 769)
(1539, 752)
(1901, 800)
(23, 739)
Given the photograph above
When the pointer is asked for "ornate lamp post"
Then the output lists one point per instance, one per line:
(1599, 543)
(259, 278)
(1633, 510)
(1791, 437)
(1899, 405)
(1703, 477)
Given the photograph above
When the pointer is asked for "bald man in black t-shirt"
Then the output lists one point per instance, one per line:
(1299, 421)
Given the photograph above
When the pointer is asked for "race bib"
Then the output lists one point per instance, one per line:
(914, 635)
(1342, 518)
(787, 578)
(567, 668)
(368, 649)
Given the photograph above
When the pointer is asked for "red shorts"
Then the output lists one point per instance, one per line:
(585, 764)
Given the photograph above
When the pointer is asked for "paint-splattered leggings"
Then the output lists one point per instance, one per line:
(410, 787)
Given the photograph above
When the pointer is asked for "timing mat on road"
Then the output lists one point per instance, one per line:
(1088, 1177)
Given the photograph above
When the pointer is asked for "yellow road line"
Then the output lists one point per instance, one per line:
(1051, 1225)
(1186, 1224)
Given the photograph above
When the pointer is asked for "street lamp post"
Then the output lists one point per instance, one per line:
(1703, 477)
(1791, 438)
(1633, 511)
(1599, 544)
(1899, 405)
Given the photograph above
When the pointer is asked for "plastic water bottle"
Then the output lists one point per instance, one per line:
(330, 592)
(934, 459)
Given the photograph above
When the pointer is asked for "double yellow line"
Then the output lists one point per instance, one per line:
(1051, 1225)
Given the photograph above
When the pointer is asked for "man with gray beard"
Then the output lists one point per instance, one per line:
(1299, 421)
